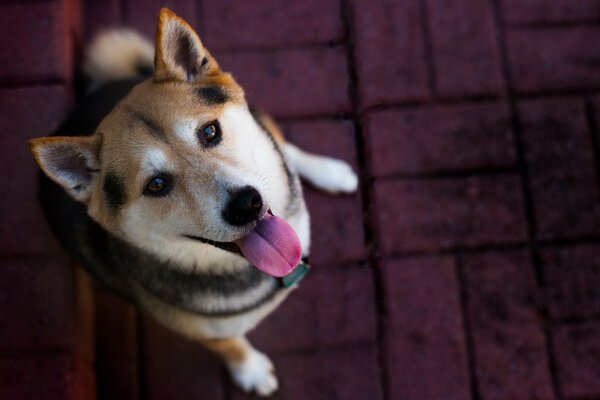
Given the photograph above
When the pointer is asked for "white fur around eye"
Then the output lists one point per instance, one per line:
(155, 160)
(185, 129)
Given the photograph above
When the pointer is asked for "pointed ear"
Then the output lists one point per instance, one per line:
(71, 162)
(180, 54)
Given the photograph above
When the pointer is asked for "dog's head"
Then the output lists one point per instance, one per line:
(181, 160)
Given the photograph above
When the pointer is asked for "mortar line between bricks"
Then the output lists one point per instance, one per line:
(593, 131)
(366, 195)
(464, 305)
(535, 258)
(533, 26)
(448, 174)
(26, 84)
(428, 47)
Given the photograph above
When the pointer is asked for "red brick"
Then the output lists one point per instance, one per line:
(100, 15)
(535, 11)
(233, 24)
(178, 367)
(424, 338)
(463, 35)
(554, 59)
(577, 352)
(508, 340)
(449, 138)
(333, 138)
(340, 374)
(36, 304)
(560, 158)
(572, 278)
(44, 377)
(116, 348)
(143, 15)
(38, 47)
(330, 309)
(26, 113)
(389, 51)
(435, 214)
(292, 82)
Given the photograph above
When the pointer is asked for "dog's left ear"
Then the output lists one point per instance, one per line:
(180, 54)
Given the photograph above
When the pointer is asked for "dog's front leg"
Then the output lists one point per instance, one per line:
(249, 368)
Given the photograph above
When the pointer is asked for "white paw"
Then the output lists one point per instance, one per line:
(336, 176)
(256, 374)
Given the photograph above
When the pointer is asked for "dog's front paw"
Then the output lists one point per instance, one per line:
(255, 374)
(336, 176)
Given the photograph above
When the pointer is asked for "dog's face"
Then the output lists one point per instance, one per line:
(181, 158)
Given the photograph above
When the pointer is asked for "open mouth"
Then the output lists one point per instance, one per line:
(272, 246)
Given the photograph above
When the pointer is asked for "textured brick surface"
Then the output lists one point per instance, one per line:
(554, 59)
(36, 304)
(464, 49)
(176, 367)
(560, 157)
(331, 309)
(424, 332)
(572, 278)
(100, 15)
(509, 345)
(36, 45)
(389, 51)
(435, 214)
(577, 350)
(43, 377)
(228, 24)
(23, 230)
(535, 11)
(340, 374)
(449, 138)
(116, 348)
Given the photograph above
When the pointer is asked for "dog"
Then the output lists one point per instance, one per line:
(177, 195)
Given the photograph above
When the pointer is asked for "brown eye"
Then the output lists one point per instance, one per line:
(158, 186)
(210, 134)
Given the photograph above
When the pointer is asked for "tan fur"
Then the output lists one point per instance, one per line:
(271, 126)
(232, 350)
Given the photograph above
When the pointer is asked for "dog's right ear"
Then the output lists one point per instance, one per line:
(180, 55)
(72, 162)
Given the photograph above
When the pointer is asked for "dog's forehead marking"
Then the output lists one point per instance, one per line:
(151, 126)
(155, 159)
(212, 95)
(185, 129)
(114, 191)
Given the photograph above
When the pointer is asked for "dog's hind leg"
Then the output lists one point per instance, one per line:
(249, 368)
(326, 173)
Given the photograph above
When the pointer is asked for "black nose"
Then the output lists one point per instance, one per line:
(243, 207)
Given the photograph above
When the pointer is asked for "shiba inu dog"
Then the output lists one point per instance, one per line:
(177, 195)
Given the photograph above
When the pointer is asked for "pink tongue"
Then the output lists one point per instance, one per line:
(272, 246)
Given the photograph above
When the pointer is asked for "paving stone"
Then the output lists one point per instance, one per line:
(116, 348)
(341, 374)
(143, 15)
(36, 304)
(38, 47)
(175, 367)
(43, 377)
(425, 215)
(560, 159)
(551, 11)
(554, 59)
(292, 83)
(330, 309)
(572, 278)
(256, 23)
(389, 51)
(463, 36)
(424, 337)
(23, 229)
(441, 138)
(509, 345)
(577, 352)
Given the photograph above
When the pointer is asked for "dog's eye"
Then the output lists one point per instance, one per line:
(210, 134)
(158, 186)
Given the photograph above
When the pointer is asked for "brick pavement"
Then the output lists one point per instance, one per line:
(465, 268)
